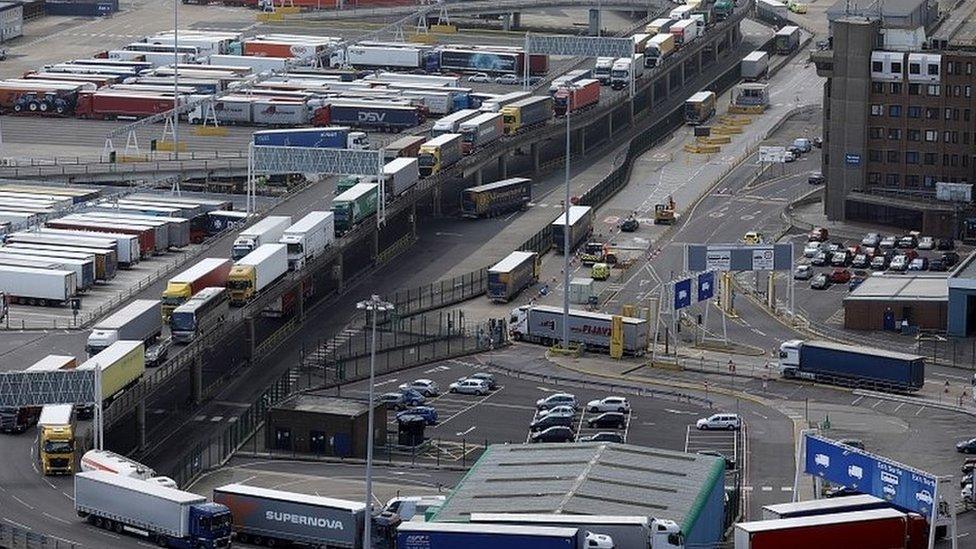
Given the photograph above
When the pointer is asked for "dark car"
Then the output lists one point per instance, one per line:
(608, 420)
(968, 466)
(428, 413)
(950, 259)
(945, 244)
(603, 437)
(854, 283)
(907, 241)
(967, 446)
(840, 491)
(412, 397)
(629, 225)
(551, 420)
(820, 259)
(879, 263)
(852, 442)
(861, 261)
(938, 265)
(816, 178)
(553, 434)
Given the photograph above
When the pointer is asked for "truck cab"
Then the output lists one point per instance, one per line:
(57, 439)
(666, 534)
(175, 294)
(601, 71)
(789, 357)
(429, 160)
(242, 246)
(620, 73)
(18, 420)
(518, 323)
(240, 283)
(210, 525)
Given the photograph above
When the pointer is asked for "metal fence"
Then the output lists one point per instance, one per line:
(13, 537)
(440, 294)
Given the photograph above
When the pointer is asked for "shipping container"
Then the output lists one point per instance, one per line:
(496, 198)
(107, 104)
(580, 227)
(755, 66)
(511, 275)
(787, 39)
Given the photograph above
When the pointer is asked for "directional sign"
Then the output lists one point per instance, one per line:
(739, 257)
(706, 286)
(904, 486)
(762, 259)
(682, 294)
(772, 154)
(718, 260)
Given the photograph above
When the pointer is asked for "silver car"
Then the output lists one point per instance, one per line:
(470, 387)
(557, 399)
(426, 387)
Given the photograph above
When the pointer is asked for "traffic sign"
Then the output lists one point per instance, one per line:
(682, 294)
(706, 286)
(772, 154)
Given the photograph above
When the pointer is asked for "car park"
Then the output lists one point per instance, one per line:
(871, 239)
(950, 259)
(719, 421)
(820, 282)
(811, 249)
(908, 241)
(488, 378)
(818, 234)
(609, 404)
(507, 79)
(608, 420)
(888, 242)
(551, 420)
(938, 265)
(156, 353)
(919, 264)
(470, 387)
(840, 259)
(840, 276)
(556, 399)
(603, 436)
(428, 413)
(860, 261)
(558, 433)
(945, 244)
(899, 263)
(816, 178)
(879, 263)
(803, 272)
(926, 243)
(967, 446)
(820, 259)
(479, 77)
(426, 387)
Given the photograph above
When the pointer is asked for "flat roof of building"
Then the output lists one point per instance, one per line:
(321, 404)
(966, 268)
(907, 287)
(586, 479)
(888, 8)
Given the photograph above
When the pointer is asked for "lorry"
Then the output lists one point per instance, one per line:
(684, 32)
(886, 528)
(399, 175)
(256, 271)
(439, 154)
(755, 66)
(626, 531)
(490, 59)
(35, 286)
(452, 535)
(700, 107)
(141, 320)
(825, 506)
(496, 198)
(19, 419)
(659, 48)
(511, 275)
(525, 113)
(543, 324)
(640, 41)
(661, 25)
(332, 137)
(84, 269)
(147, 236)
(126, 248)
(109, 104)
(723, 9)
(482, 130)
(582, 94)
(787, 39)
(452, 122)
(570, 77)
(265, 516)
(851, 365)
(122, 364)
(681, 12)
(267, 231)
(353, 206)
(602, 68)
(211, 271)
(497, 103)
(378, 56)
(374, 114)
(625, 70)
(406, 146)
(105, 260)
(166, 516)
(307, 238)
(56, 439)
(580, 227)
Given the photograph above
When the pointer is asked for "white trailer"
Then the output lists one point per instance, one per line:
(451, 122)
(253, 62)
(141, 320)
(266, 231)
(399, 175)
(126, 246)
(177, 228)
(84, 269)
(308, 237)
(33, 286)
(256, 271)
(385, 57)
(544, 324)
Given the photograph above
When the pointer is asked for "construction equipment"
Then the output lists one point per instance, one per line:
(664, 213)
(598, 252)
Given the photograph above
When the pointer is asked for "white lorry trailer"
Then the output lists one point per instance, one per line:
(141, 320)
(308, 237)
(267, 231)
(33, 286)
(544, 324)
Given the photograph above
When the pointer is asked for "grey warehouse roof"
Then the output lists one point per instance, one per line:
(906, 287)
(871, 8)
(325, 405)
(586, 479)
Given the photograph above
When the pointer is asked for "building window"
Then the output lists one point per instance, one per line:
(894, 111)
(969, 67)
(894, 134)
(955, 114)
(957, 91)
(911, 157)
(877, 110)
(876, 133)
(891, 179)
(931, 136)
(911, 180)
(965, 160)
(933, 69)
(928, 181)
(967, 91)
(895, 88)
(931, 113)
(896, 67)
(874, 178)
(945, 136)
(955, 137)
(914, 89)
(929, 159)
(877, 87)
(877, 66)
(914, 112)
(914, 68)
(948, 113)
(894, 157)
(913, 135)
(945, 159)
(874, 155)
(934, 89)
(954, 160)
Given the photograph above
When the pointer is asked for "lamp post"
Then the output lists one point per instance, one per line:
(566, 206)
(376, 305)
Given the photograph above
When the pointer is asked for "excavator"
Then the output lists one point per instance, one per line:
(664, 213)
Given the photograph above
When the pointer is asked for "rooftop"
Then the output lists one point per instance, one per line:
(891, 8)
(320, 404)
(906, 287)
(585, 479)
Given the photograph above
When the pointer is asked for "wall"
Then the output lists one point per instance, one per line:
(869, 314)
(303, 422)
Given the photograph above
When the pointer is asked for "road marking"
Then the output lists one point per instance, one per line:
(200, 418)
(920, 410)
(876, 404)
(17, 524)
(52, 517)
(22, 502)
(747, 488)
(898, 407)
(786, 489)
(760, 415)
(767, 488)
(387, 382)
(462, 433)
(679, 412)
(950, 376)
(760, 332)
(216, 419)
(856, 400)
(477, 402)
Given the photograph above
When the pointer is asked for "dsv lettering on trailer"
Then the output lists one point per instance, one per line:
(304, 520)
(372, 117)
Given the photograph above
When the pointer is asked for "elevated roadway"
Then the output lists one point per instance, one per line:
(475, 7)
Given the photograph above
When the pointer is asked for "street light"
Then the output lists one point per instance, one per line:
(566, 206)
(376, 305)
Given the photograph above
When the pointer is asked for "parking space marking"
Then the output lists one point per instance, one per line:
(477, 402)
(462, 433)
(876, 404)
(898, 407)
(856, 400)
(920, 408)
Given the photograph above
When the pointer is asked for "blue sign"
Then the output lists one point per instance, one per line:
(852, 159)
(903, 486)
(706, 286)
(682, 294)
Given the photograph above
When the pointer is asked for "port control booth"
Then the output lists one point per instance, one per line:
(962, 299)
(323, 425)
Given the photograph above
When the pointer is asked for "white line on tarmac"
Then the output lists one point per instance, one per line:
(477, 402)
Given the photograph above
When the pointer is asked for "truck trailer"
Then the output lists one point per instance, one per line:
(141, 320)
(787, 39)
(146, 235)
(399, 176)
(105, 264)
(496, 198)
(121, 363)
(525, 113)
(36, 286)
(860, 366)
(880, 528)
(439, 154)
(755, 66)
(267, 231)
(125, 248)
(308, 238)
(511, 275)
(256, 271)
(406, 146)
(84, 269)
(825, 506)
(581, 95)
(543, 324)
(453, 535)
(375, 115)
(484, 129)
(353, 206)
(659, 48)
(332, 137)
(166, 516)
(626, 531)
(700, 107)
(211, 271)
(580, 227)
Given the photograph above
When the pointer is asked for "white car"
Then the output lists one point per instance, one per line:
(926, 243)
(811, 249)
(562, 409)
(426, 387)
(557, 399)
(470, 387)
(719, 421)
(479, 77)
(609, 404)
(509, 79)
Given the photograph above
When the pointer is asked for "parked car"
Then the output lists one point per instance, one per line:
(608, 420)
(426, 387)
(559, 433)
(629, 225)
(945, 244)
(470, 387)
(938, 265)
(840, 276)
(820, 282)
(508, 79)
(394, 400)
(156, 353)
(820, 259)
(412, 397)
(803, 272)
(871, 239)
(719, 421)
(818, 234)
(910, 254)
(556, 399)
(561, 409)
(816, 178)
(479, 77)
(888, 242)
(967, 446)
(794, 150)
(609, 404)
(428, 413)
(861, 261)
(879, 263)
(899, 263)
(840, 259)
(551, 420)
(817, 142)
(950, 259)
(926, 243)
(908, 241)
(854, 283)
(790, 156)
(968, 466)
(484, 376)
(919, 264)
(833, 247)
(604, 436)
(803, 144)
(811, 249)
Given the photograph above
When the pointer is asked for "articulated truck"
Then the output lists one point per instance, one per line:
(256, 271)
(453, 535)
(308, 237)
(141, 320)
(166, 516)
(267, 231)
(851, 365)
(208, 272)
(439, 154)
(36, 286)
(879, 528)
(544, 324)
(511, 275)
(56, 439)
(500, 197)
(626, 531)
